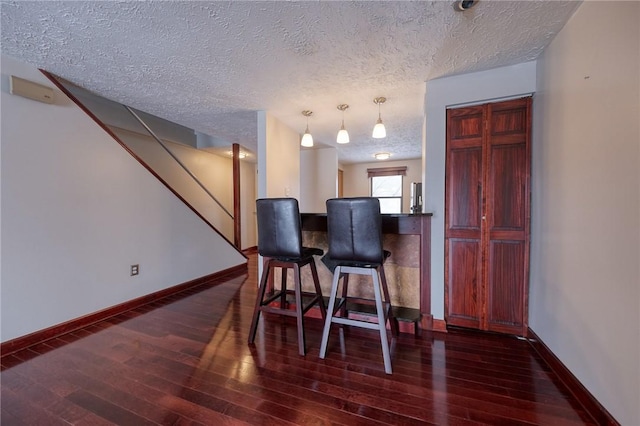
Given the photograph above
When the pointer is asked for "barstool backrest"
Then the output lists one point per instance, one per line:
(279, 229)
(354, 227)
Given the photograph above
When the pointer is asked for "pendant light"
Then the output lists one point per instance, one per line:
(343, 135)
(307, 139)
(379, 131)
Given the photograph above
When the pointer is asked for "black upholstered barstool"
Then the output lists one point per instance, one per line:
(354, 227)
(280, 244)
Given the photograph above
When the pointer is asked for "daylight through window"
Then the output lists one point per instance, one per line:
(386, 185)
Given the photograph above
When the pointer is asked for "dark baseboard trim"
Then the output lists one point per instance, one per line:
(584, 397)
(439, 325)
(250, 250)
(426, 322)
(23, 342)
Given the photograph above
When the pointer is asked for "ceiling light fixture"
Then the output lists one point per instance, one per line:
(307, 139)
(382, 156)
(462, 5)
(343, 135)
(379, 131)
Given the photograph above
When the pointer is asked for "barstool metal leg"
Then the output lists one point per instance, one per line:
(330, 310)
(299, 314)
(266, 269)
(283, 287)
(345, 292)
(393, 322)
(382, 324)
(316, 284)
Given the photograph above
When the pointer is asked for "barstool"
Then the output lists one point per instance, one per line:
(280, 244)
(354, 227)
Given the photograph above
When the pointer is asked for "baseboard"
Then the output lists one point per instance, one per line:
(584, 397)
(425, 323)
(250, 250)
(439, 325)
(23, 342)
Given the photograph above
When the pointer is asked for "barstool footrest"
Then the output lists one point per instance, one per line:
(311, 304)
(358, 306)
(271, 298)
(267, 307)
(355, 323)
(279, 311)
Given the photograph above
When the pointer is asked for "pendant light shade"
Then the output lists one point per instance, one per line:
(343, 135)
(307, 139)
(379, 131)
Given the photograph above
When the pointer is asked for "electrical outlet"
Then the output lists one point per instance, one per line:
(135, 270)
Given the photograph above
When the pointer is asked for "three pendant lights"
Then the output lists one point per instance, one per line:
(379, 130)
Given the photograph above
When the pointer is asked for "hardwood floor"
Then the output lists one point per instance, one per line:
(185, 361)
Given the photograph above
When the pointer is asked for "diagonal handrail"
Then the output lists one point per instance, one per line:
(166, 148)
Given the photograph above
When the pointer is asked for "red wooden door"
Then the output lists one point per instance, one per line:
(463, 251)
(487, 216)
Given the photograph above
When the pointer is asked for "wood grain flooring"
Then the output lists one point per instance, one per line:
(184, 360)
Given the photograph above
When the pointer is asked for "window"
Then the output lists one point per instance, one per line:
(386, 185)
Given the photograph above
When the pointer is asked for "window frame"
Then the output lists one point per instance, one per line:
(385, 172)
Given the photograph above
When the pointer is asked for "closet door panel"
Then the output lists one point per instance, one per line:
(464, 282)
(463, 219)
(507, 188)
(507, 212)
(508, 118)
(505, 287)
(464, 191)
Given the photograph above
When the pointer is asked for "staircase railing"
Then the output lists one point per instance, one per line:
(177, 160)
(112, 118)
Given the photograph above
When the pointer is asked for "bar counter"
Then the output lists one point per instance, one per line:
(407, 237)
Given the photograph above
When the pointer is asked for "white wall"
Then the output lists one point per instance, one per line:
(356, 180)
(77, 210)
(278, 158)
(318, 178)
(585, 257)
(441, 93)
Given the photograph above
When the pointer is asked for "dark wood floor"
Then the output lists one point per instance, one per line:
(185, 360)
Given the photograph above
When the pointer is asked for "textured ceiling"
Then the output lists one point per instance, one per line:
(211, 65)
